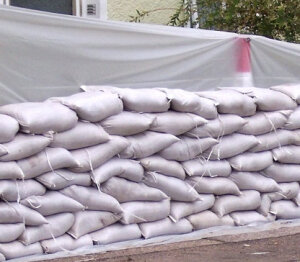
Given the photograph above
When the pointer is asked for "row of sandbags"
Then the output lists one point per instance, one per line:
(142, 169)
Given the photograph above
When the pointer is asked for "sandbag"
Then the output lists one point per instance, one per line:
(200, 167)
(208, 219)
(223, 125)
(92, 157)
(175, 188)
(272, 140)
(230, 146)
(24, 146)
(285, 209)
(126, 191)
(188, 102)
(158, 164)
(61, 178)
(247, 217)
(41, 118)
(48, 160)
(231, 102)
(248, 200)
(12, 191)
(251, 161)
(255, 181)
(3, 151)
(52, 203)
(93, 199)
(94, 106)
(89, 221)
(16, 249)
(187, 148)
(292, 90)
(82, 135)
(213, 185)
(10, 232)
(57, 225)
(2, 257)
(127, 123)
(116, 233)
(297, 199)
(287, 154)
(264, 122)
(126, 168)
(147, 143)
(142, 211)
(9, 128)
(165, 227)
(183, 209)
(283, 172)
(167, 122)
(9, 215)
(293, 121)
(10, 170)
(65, 242)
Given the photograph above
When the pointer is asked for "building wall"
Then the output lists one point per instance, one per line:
(121, 9)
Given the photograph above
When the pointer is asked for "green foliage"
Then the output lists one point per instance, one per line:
(278, 19)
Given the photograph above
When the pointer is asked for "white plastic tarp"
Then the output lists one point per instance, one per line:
(44, 54)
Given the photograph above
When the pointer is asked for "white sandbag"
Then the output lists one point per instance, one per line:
(127, 123)
(285, 209)
(2, 257)
(94, 106)
(9, 215)
(52, 203)
(264, 122)
(272, 140)
(187, 148)
(208, 219)
(175, 123)
(268, 100)
(175, 188)
(213, 185)
(283, 172)
(28, 215)
(183, 209)
(248, 200)
(287, 154)
(184, 101)
(61, 178)
(89, 221)
(255, 181)
(48, 160)
(65, 242)
(166, 167)
(126, 191)
(126, 168)
(291, 90)
(40, 118)
(223, 125)
(92, 157)
(231, 102)
(10, 232)
(12, 191)
(247, 217)
(3, 151)
(231, 145)
(116, 233)
(8, 128)
(200, 167)
(297, 199)
(24, 146)
(16, 249)
(265, 204)
(57, 225)
(293, 121)
(165, 227)
(142, 211)
(251, 161)
(82, 135)
(147, 143)
(10, 170)
(92, 199)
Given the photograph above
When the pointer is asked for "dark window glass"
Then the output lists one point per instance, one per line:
(54, 6)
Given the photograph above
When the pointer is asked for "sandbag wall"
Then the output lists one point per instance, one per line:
(111, 164)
